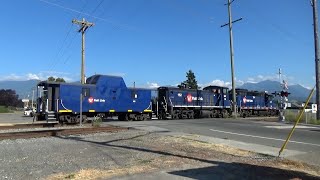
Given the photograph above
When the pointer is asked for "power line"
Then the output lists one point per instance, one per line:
(95, 9)
(262, 19)
(124, 26)
(56, 60)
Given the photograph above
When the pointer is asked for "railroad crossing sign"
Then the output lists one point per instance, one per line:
(314, 108)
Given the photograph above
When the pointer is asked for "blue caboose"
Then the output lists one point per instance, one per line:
(255, 103)
(101, 95)
(182, 103)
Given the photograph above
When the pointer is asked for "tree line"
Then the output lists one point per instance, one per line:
(8, 97)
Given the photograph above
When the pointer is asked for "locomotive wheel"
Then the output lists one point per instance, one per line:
(225, 114)
(244, 114)
(127, 117)
(121, 117)
(144, 117)
(68, 118)
(191, 115)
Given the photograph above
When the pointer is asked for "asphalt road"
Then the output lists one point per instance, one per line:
(306, 139)
(16, 117)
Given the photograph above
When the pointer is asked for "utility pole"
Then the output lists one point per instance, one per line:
(234, 102)
(316, 47)
(32, 98)
(84, 25)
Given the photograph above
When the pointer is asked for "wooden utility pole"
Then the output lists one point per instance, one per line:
(234, 102)
(316, 47)
(84, 25)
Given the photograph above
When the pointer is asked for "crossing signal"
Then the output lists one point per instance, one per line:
(284, 93)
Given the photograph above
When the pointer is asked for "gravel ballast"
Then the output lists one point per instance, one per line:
(132, 152)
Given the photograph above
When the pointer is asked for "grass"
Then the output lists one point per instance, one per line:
(292, 117)
(97, 122)
(4, 109)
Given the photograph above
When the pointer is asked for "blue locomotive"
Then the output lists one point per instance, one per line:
(254, 103)
(180, 103)
(104, 95)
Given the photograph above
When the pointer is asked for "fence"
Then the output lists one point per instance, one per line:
(307, 117)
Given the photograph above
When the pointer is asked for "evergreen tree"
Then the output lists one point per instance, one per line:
(60, 80)
(191, 82)
(52, 79)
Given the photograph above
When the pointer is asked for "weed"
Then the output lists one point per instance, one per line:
(70, 176)
(97, 121)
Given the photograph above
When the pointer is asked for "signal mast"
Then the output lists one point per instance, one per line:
(283, 97)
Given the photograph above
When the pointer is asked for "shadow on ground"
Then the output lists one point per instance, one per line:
(240, 171)
(218, 170)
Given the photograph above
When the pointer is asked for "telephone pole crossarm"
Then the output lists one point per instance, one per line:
(232, 22)
(84, 25)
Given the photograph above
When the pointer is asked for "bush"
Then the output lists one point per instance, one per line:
(290, 116)
(314, 121)
(97, 121)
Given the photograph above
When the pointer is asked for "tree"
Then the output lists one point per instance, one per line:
(8, 97)
(52, 79)
(191, 82)
(60, 80)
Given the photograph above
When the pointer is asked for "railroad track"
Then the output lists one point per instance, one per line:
(58, 132)
(28, 125)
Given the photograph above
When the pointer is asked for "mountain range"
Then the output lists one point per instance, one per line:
(22, 88)
(298, 92)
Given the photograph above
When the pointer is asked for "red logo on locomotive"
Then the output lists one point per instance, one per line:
(244, 100)
(90, 100)
(189, 98)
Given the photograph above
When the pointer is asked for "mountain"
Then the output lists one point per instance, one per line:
(22, 88)
(298, 92)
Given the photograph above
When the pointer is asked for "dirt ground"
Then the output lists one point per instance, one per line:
(183, 157)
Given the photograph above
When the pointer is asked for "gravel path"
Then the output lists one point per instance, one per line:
(133, 152)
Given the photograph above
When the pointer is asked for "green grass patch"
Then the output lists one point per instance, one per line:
(96, 122)
(4, 109)
(292, 117)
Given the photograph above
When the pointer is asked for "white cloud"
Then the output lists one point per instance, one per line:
(43, 75)
(152, 85)
(32, 76)
(13, 77)
(117, 74)
(274, 77)
(216, 82)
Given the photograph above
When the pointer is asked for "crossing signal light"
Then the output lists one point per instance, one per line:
(284, 93)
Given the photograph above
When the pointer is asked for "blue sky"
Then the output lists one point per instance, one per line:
(155, 42)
